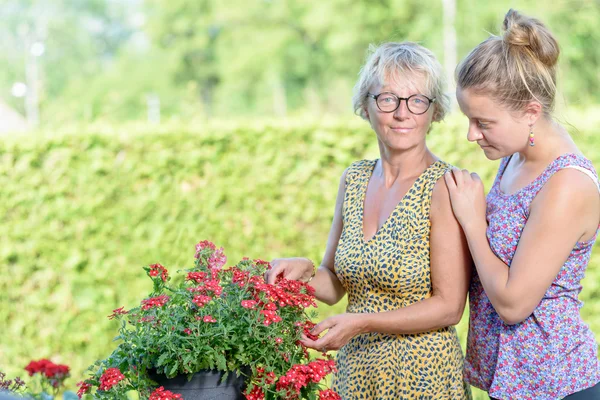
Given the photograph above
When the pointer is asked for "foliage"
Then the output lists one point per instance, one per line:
(80, 209)
(249, 57)
(226, 319)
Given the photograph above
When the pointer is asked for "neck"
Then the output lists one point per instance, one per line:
(551, 140)
(405, 164)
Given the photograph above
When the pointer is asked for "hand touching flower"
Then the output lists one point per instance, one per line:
(341, 328)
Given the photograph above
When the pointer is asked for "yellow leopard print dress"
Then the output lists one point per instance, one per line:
(388, 272)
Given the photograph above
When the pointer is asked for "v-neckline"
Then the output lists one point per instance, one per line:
(394, 211)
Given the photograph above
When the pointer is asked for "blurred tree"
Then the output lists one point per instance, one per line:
(254, 57)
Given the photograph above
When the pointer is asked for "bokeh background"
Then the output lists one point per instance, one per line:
(132, 129)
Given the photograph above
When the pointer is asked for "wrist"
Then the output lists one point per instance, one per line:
(475, 228)
(313, 270)
(365, 325)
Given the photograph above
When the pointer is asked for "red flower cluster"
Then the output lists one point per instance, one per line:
(250, 304)
(307, 328)
(84, 387)
(240, 277)
(48, 369)
(197, 277)
(201, 300)
(156, 270)
(300, 375)
(287, 292)
(329, 395)
(117, 312)
(270, 317)
(255, 394)
(158, 301)
(210, 285)
(110, 378)
(162, 394)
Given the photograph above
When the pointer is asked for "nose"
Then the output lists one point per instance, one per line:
(474, 133)
(402, 111)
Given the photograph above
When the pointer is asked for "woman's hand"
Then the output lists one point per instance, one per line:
(341, 327)
(467, 197)
(295, 268)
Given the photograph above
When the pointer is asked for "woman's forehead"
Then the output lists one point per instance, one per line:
(413, 82)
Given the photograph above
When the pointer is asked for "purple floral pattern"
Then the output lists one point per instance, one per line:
(552, 353)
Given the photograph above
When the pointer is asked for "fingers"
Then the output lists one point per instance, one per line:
(450, 182)
(323, 325)
(276, 270)
(323, 344)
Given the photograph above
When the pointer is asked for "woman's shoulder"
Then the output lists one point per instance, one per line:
(361, 167)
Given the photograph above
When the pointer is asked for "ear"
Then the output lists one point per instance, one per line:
(533, 112)
(366, 112)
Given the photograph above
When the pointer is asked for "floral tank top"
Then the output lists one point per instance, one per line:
(552, 353)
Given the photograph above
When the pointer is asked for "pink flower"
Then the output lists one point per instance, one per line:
(209, 318)
(217, 260)
(203, 245)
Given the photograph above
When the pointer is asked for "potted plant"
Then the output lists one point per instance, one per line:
(212, 327)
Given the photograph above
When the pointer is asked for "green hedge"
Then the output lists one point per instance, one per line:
(81, 213)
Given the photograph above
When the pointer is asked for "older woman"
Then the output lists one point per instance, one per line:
(395, 246)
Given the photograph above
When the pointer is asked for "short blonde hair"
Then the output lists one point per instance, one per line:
(515, 68)
(390, 60)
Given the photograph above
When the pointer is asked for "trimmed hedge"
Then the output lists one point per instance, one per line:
(81, 213)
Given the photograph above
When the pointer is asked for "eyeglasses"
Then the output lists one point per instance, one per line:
(388, 102)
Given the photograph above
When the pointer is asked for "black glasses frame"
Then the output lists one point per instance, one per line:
(376, 96)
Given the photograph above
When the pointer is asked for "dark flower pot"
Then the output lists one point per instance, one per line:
(204, 385)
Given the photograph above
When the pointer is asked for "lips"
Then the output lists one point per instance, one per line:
(401, 129)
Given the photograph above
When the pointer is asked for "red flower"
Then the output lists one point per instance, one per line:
(162, 394)
(197, 277)
(84, 387)
(201, 300)
(110, 378)
(158, 301)
(117, 312)
(329, 395)
(48, 369)
(156, 270)
(251, 304)
(255, 394)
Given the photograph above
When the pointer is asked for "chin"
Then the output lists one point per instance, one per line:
(492, 154)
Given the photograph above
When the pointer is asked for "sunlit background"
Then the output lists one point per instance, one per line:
(131, 129)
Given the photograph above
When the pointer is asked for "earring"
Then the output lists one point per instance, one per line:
(531, 139)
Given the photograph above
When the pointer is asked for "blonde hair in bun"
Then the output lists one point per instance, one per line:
(516, 68)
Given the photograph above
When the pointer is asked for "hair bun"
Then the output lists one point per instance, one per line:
(524, 32)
